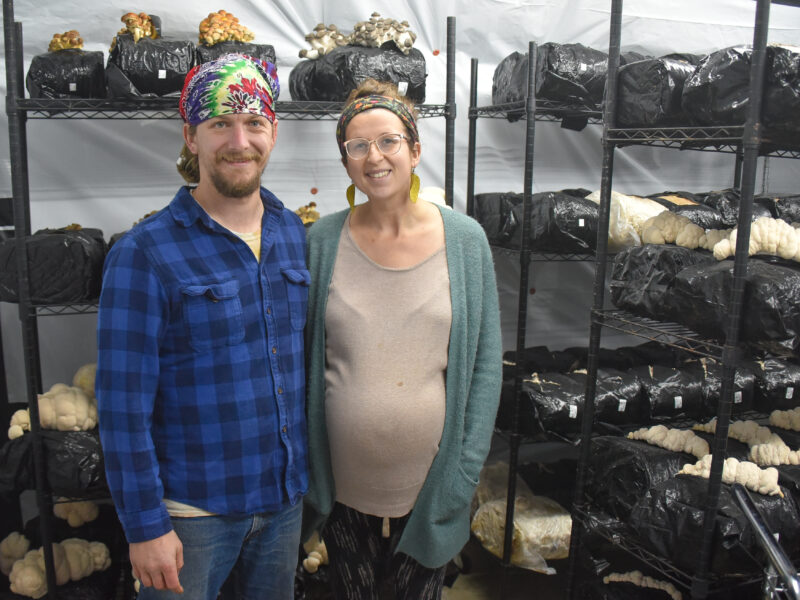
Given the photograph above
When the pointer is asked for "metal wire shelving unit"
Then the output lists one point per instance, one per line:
(748, 142)
(530, 110)
(20, 109)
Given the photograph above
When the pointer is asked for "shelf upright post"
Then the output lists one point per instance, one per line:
(737, 173)
(450, 112)
(17, 139)
(730, 353)
(522, 312)
(598, 292)
(473, 123)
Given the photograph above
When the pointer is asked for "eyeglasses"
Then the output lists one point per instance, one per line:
(387, 144)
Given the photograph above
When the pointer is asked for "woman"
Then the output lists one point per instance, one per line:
(403, 364)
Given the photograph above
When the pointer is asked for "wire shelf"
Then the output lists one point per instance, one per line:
(546, 110)
(546, 256)
(552, 437)
(710, 139)
(167, 108)
(50, 310)
(670, 334)
(602, 525)
(103, 494)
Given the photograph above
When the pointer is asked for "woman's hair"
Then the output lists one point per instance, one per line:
(187, 163)
(373, 87)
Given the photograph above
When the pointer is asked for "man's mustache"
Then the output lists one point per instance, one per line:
(238, 157)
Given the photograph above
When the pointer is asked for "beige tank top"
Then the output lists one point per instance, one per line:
(387, 335)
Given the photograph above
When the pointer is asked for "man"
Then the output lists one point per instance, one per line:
(200, 379)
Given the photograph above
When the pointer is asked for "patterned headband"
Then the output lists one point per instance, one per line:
(231, 84)
(359, 105)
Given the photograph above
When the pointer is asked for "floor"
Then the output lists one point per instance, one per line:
(481, 578)
(484, 580)
(487, 586)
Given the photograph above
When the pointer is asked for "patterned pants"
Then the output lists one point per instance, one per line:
(362, 561)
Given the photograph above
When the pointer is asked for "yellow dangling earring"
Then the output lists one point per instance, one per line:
(414, 193)
(351, 196)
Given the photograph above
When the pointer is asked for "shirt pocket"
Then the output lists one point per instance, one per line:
(297, 282)
(213, 315)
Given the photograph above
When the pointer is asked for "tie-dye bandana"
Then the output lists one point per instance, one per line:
(359, 105)
(232, 84)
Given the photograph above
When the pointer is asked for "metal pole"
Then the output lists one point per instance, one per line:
(473, 121)
(522, 312)
(12, 33)
(737, 173)
(751, 142)
(609, 121)
(450, 112)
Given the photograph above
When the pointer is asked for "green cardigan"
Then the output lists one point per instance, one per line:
(439, 523)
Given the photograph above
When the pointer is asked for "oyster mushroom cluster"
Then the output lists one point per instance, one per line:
(138, 25)
(63, 41)
(323, 39)
(222, 26)
(372, 34)
(378, 31)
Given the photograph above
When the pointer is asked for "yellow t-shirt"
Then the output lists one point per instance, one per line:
(253, 240)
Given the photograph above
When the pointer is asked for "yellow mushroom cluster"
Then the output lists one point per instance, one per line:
(150, 214)
(66, 40)
(222, 26)
(308, 213)
(138, 25)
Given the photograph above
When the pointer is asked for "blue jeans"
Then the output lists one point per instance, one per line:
(255, 557)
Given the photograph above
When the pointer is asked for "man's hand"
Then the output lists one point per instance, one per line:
(156, 562)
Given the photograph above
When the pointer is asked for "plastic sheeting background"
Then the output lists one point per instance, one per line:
(107, 174)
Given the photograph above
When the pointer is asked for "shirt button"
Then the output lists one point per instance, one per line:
(284, 429)
(269, 310)
(280, 390)
(274, 350)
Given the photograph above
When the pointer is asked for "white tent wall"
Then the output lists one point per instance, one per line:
(107, 174)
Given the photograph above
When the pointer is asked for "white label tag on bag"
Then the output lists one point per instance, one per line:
(678, 401)
(737, 397)
(622, 404)
(162, 74)
(573, 412)
(581, 223)
(402, 87)
(789, 393)
(73, 87)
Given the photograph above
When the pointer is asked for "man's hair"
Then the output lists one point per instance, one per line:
(187, 162)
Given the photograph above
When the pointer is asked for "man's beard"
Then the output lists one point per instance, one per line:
(234, 189)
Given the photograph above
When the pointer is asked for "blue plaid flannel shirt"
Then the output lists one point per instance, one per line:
(200, 376)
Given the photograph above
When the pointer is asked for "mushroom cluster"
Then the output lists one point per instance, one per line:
(63, 41)
(317, 553)
(373, 34)
(138, 25)
(308, 213)
(222, 26)
(323, 39)
(378, 31)
(61, 408)
(73, 560)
